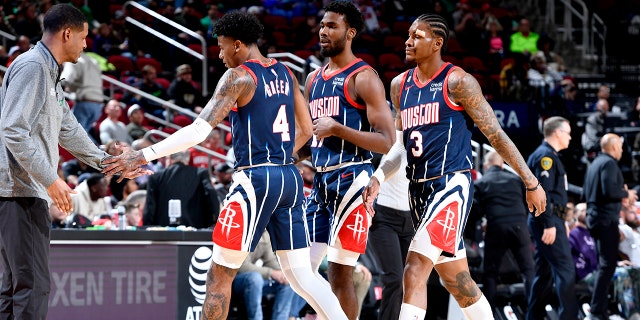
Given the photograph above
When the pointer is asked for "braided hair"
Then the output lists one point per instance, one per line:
(438, 26)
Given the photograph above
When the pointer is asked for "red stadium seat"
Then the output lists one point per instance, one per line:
(368, 58)
(395, 43)
(473, 64)
(122, 63)
(390, 61)
(143, 61)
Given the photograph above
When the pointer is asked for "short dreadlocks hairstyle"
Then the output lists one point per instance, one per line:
(438, 26)
(240, 26)
(352, 15)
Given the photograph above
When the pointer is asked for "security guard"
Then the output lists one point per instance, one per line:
(553, 252)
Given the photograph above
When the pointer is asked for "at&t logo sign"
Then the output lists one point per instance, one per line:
(198, 267)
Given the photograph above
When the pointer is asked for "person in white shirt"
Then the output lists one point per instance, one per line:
(111, 128)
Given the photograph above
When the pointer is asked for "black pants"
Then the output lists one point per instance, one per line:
(607, 238)
(390, 236)
(498, 239)
(554, 269)
(24, 246)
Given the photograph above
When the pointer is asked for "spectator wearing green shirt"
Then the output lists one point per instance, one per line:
(524, 41)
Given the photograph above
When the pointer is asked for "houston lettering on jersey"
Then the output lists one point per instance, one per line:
(325, 107)
(422, 114)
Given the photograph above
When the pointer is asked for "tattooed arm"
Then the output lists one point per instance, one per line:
(465, 91)
(235, 87)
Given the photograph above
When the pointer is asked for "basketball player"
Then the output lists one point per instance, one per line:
(270, 121)
(350, 117)
(437, 104)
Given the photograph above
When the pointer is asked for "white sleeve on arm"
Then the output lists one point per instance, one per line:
(392, 161)
(182, 139)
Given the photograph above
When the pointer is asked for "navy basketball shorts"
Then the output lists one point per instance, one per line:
(440, 208)
(262, 197)
(335, 210)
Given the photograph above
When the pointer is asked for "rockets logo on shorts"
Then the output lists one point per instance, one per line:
(228, 230)
(353, 236)
(443, 228)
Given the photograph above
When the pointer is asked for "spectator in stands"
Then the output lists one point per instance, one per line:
(564, 99)
(106, 43)
(201, 159)
(524, 41)
(605, 193)
(84, 79)
(604, 92)
(583, 247)
(254, 281)
(184, 91)
(500, 195)
(23, 45)
(191, 185)
(149, 85)
(111, 128)
(542, 81)
(74, 168)
(27, 23)
(223, 180)
(92, 197)
(626, 280)
(494, 40)
(594, 129)
(188, 17)
(467, 26)
(135, 129)
(134, 206)
(213, 15)
(555, 62)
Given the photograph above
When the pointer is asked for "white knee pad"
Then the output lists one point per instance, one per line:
(341, 256)
(232, 259)
(296, 267)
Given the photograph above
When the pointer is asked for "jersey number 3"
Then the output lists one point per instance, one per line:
(281, 124)
(417, 137)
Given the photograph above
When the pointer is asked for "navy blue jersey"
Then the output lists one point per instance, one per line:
(329, 97)
(436, 131)
(264, 129)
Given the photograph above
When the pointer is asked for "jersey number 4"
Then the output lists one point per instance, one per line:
(281, 124)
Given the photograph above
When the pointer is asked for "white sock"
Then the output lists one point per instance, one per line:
(411, 312)
(481, 310)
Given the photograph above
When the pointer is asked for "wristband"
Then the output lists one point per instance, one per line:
(534, 188)
(379, 175)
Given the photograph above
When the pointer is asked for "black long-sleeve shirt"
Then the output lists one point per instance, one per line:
(604, 190)
(499, 195)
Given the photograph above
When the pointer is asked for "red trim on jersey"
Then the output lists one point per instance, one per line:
(422, 85)
(253, 75)
(328, 76)
(402, 83)
(346, 91)
(445, 92)
(235, 108)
